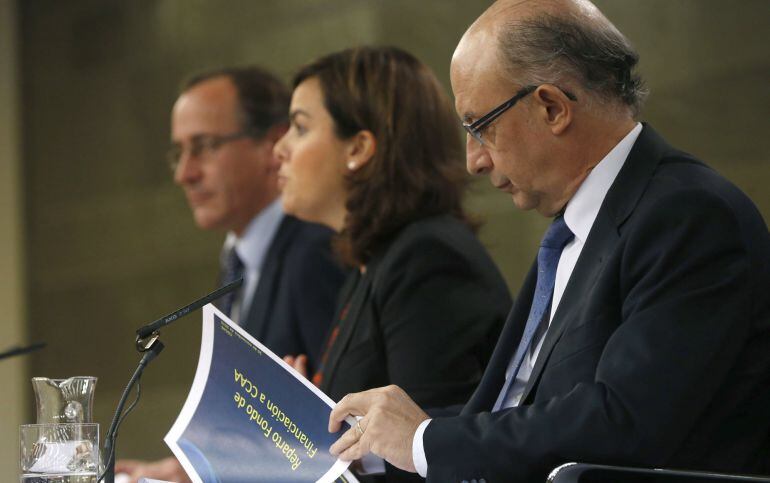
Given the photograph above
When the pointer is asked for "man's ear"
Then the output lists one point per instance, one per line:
(361, 148)
(555, 107)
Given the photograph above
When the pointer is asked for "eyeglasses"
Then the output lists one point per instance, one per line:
(202, 144)
(476, 128)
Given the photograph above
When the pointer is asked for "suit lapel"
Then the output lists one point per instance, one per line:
(494, 376)
(269, 278)
(621, 199)
(599, 245)
(355, 300)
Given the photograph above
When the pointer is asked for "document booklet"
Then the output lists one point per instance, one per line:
(250, 417)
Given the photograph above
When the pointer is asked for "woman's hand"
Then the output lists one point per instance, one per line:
(299, 363)
(167, 469)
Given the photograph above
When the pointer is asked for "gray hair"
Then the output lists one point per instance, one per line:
(551, 49)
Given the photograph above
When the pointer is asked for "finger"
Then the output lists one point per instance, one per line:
(289, 360)
(125, 466)
(357, 450)
(348, 439)
(356, 404)
(300, 364)
(352, 453)
(134, 476)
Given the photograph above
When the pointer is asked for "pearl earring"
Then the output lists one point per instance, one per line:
(351, 165)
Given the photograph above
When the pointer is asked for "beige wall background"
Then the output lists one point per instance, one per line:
(13, 372)
(110, 244)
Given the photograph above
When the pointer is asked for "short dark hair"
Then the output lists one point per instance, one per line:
(551, 49)
(417, 170)
(262, 97)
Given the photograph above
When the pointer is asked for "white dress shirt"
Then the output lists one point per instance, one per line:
(579, 215)
(252, 248)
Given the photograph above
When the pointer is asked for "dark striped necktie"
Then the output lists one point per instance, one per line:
(232, 270)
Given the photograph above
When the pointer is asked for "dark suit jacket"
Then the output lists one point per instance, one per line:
(425, 316)
(659, 351)
(295, 297)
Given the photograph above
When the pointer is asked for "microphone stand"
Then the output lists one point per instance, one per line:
(17, 351)
(112, 433)
(149, 345)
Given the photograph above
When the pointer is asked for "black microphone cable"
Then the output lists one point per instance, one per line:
(117, 419)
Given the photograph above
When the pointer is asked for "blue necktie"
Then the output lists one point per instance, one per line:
(557, 236)
(232, 270)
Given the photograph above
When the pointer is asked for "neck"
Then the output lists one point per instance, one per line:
(239, 228)
(336, 219)
(596, 139)
(606, 136)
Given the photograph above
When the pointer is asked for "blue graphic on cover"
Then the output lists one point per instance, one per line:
(250, 417)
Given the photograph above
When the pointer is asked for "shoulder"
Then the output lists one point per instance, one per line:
(690, 218)
(439, 232)
(440, 246)
(305, 233)
(303, 239)
(308, 247)
(685, 190)
(659, 181)
(439, 240)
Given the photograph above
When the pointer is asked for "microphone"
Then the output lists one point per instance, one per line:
(148, 344)
(17, 351)
(151, 330)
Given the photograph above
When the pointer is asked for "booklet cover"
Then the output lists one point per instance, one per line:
(250, 417)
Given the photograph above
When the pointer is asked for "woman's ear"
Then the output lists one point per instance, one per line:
(361, 148)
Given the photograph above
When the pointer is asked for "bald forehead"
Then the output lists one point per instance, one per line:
(478, 80)
(476, 69)
(477, 60)
(476, 55)
(210, 106)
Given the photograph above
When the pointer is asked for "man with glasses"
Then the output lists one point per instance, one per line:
(223, 128)
(641, 335)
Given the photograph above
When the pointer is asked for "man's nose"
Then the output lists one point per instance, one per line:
(187, 169)
(477, 160)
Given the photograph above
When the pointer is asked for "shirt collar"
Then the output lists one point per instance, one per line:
(253, 244)
(584, 206)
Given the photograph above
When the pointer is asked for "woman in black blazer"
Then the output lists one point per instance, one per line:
(373, 152)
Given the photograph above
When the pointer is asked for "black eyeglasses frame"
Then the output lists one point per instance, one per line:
(476, 128)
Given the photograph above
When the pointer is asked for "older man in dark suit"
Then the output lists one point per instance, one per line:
(641, 335)
(223, 129)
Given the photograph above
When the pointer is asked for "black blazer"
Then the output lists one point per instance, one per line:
(297, 290)
(425, 316)
(659, 351)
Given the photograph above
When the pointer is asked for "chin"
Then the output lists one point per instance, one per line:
(207, 226)
(206, 221)
(524, 203)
